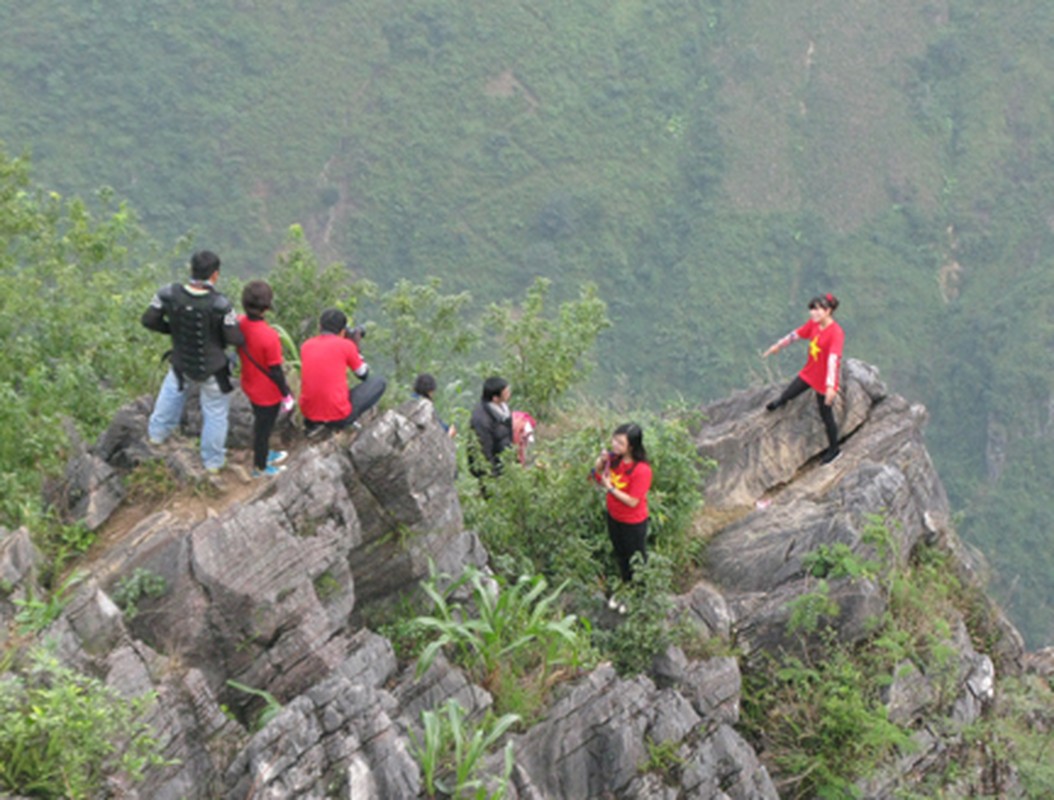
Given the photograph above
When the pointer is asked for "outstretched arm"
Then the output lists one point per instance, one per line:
(786, 340)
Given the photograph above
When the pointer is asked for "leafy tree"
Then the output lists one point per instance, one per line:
(303, 288)
(543, 358)
(420, 329)
(73, 284)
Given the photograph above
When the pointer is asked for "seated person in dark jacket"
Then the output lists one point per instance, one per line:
(492, 422)
(202, 324)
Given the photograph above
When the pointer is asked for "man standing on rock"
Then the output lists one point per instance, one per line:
(202, 324)
(325, 360)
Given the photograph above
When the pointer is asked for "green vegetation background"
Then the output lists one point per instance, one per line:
(710, 165)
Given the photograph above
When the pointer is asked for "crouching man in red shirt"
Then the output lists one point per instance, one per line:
(325, 400)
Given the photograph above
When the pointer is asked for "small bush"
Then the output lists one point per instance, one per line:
(35, 614)
(150, 482)
(824, 724)
(454, 749)
(62, 733)
(133, 588)
(511, 636)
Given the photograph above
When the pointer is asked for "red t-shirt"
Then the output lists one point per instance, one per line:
(635, 480)
(822, 344)
(324, 364)
(261, 340)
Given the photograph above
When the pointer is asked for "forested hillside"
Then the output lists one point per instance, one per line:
(709, 165)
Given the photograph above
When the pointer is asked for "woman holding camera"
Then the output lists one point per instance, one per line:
(625, 474)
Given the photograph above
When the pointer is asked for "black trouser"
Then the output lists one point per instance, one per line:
(796, 387)
(363, 397)
(264, 418)
(627, 538)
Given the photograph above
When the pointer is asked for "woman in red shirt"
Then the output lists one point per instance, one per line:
(625, 474)
(822, 367)
(263, 380)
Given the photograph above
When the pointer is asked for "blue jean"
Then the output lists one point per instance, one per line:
(168, 410)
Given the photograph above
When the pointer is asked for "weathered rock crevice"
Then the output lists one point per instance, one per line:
(272, 591)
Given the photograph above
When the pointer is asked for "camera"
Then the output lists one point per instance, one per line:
(357, 332)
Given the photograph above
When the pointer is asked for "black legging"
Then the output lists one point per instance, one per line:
(627, 538)
(264, 418)
(796, 387)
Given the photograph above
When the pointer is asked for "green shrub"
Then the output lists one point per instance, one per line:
(453, 751)
(62, 733)
(824, 724)
(543, 358)
(550, 519)
(133, 588)
(510, 638)
(151, 481)
(35, 614)
(646, 630)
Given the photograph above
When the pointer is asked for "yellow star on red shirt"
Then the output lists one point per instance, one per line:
(619, 481)
(814, 349)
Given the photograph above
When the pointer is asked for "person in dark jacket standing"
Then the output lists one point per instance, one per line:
(202, 324)
(492, 422)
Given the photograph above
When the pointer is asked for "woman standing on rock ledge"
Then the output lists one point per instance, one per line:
(625, 474)
(822, 367)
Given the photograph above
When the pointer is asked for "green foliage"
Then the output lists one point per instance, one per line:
(645, 631)
(270, 708)
(831, 727)
(422, 330)
(326, 586)
(622, 144)
(549, 518)
(303, 288)
(1011, 733)
(837, 561)
(73, 284)
(62, 733)
(151, 481)
(807, 610)
(453, 751)
(35, 615)
(509, 639)
(663, 757)
(544, 358)
(131, 589)
(820, 715)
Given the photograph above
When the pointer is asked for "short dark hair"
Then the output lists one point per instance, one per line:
(492, 387)
(635, 439)
(333, 320)
(424, 385)
(828, 301)
(257, 297)
(203, 264)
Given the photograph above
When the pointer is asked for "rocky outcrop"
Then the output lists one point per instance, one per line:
(594, 743)
(277, 589)
(879, 501)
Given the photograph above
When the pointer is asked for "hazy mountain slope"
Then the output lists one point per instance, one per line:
(710, 165)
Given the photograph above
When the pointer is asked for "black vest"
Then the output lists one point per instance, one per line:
(197, 330)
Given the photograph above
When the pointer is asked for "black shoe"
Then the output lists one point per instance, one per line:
(831, 455)
(773, 405)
